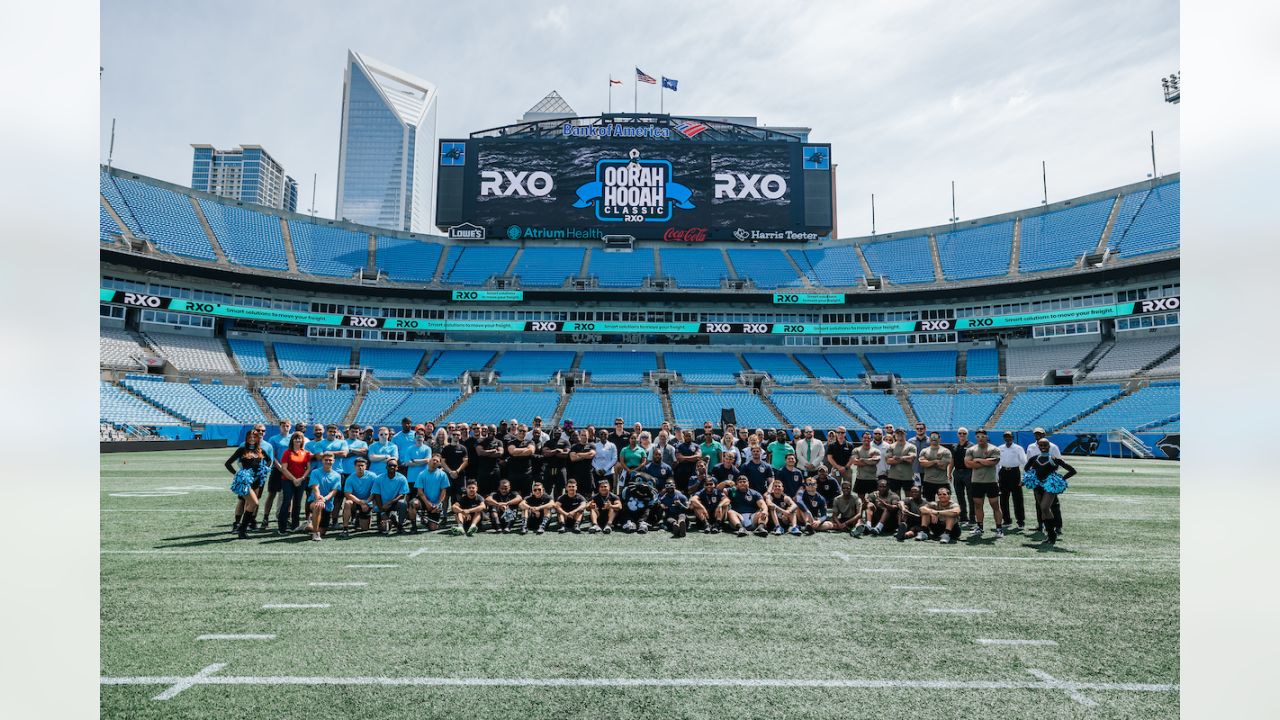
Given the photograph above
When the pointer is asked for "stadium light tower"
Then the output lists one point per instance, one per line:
(1172, 87)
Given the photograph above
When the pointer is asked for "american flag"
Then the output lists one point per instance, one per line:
(689, 129)
(645, 78)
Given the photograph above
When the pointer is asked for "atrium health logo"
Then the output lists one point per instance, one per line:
(514, 232)
(634, 190)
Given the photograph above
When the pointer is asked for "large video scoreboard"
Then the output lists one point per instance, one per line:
(650, 187)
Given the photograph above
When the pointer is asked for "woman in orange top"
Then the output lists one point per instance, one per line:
(295, 464)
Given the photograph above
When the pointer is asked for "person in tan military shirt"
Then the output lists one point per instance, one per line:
(900, 456)
(865, 459)
(940, 517)
(935, 461)
(982, 460)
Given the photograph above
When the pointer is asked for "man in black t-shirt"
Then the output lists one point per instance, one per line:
(555, 458)
(791, 476)
(570, 507)
(838, 455)
(705, 505)
(456, 463)
(488, 454)
(520, 452)
(503, 505)
(605, 506)
(619, 435)
(580, 454)
(960, 474)
(910, 524)
(467, 510)
(725, 474)
(688, 453)
(536, 507)
(882, 507)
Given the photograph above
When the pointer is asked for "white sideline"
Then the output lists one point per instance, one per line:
(1044, 682)
(916, 587)
(235, 637)
(986, 641)
(338, 584)
(958, 611)
(373, 566)
(294, 606)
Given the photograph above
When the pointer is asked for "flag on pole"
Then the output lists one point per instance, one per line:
(614, 82)
(669, 83)
(642, 77)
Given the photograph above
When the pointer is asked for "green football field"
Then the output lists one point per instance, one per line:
(585, 626)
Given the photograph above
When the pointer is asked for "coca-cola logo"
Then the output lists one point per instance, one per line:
(686, 235)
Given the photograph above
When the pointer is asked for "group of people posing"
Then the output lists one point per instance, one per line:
(513, 477)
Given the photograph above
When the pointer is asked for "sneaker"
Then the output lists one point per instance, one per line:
(778, 530)
(606, 530)
(524, 530)
(644, 528)
(858, 531)
(873, 530)
(795, 530)
(595, 529)
(715, 529)
(706, 530)
(575, 530)
(1022, 526)
(977, 532)
(999, 532)
(945, 539)
(540, 530)
(471, 530)
(741, 531)
(922, 536)
(346, 533)
(563, 530)
(762, 532)
(679, 531)
(901, 535)
(628, 526)
(315, 537)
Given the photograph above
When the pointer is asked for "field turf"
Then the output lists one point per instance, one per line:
(635, 626)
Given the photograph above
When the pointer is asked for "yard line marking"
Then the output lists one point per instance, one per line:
(987, 641)
(958, 611)
(916, 587)
(1043, 682)
(338, 584)
(372, 566)
(418, 552)
(184, 683)
(236, 637)
(294, 606)
(841, 555)
(1072, 693)
(677, 554)
(884, 570)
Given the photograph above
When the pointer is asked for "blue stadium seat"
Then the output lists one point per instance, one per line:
(974, 410)
(406, 259)
(166, 217)
(548, 266)
(117, 406)
(694, 267)
(976, 252)
(311, 360)
(1147, 221)
(328, 249)
(926, 365)
(489, 405)
(449, 364)
(780, 366)
(767, 268)
(474, 264)
(833, 267)
(182, 400)
(248, 237)
(621, 269)
(234, 400)
(693, 408)
(599, 406)
(704, 368)
(379, 407)
(531, 366)
(393, 363)
(847, 365)
(1057, 239)
(944, 411)
(421, 405)
(983, 365)
(312, 405)
(810, 408)
(617, 367)
(875, 406)
(903, 261)
(1155, 402)
(107, 186)
(251, 356)
(1050, 407)
(818, 366)
(106, 226)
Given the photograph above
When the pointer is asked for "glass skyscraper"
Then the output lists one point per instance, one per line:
(247, 173)
(386, 147)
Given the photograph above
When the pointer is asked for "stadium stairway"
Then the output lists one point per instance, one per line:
(962, 364)
(424, 364)
(1106, 230)
(862, 260)
(858, 420)
(115, 217)
(1095, 355)
(143, 399)
(356, 402)
(999, 411)
(556, 416)
(804, 279)
(733, 272)
(900, 392)
(1002, 361)
(668, 412)
(462, 397)
(267, 413)
(273, 365)
(782, 420)
(515, 260)
(1158, 361)
(372, 260)
(937, 259)
(213, 237)
(288, 249)
(1016, 253)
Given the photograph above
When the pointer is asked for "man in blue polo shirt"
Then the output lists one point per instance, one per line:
(389, 493)
(430, 488)
(381, 451)
(359, 492)
(404, 439)
(324, 483)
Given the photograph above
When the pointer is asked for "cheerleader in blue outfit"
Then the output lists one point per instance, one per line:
(1042, 476)
(255, 468)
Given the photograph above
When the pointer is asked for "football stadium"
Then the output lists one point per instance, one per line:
(617, 373)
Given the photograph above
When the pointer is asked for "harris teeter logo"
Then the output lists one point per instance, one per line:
(633, 190)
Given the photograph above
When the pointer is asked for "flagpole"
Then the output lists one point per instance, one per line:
(635, 93)
(611, 94)
(662, 94)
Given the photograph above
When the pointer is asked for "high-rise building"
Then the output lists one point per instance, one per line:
(247, 173)
(386, 149)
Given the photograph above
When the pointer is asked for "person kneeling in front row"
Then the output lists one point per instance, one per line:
(468, 509)
(940, 518)
(389, 493)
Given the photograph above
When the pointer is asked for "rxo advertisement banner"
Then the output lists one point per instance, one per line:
(155, 302)
(655, 190)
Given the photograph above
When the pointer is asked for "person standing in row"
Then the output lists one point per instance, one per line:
(1048, 484)
(935, 464)
(1009, 474)
(900, 460)
(984, 485)
(960, 473)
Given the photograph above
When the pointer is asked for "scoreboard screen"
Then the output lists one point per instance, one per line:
(652, 189)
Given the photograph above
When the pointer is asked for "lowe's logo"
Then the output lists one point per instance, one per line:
(634, 190)
(467, 231)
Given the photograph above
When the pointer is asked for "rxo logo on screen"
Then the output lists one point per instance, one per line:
(138, 300)
(738, 186)
(505, 183)
(1172, 303)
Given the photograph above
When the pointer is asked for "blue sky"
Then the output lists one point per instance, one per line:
(911, 95)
